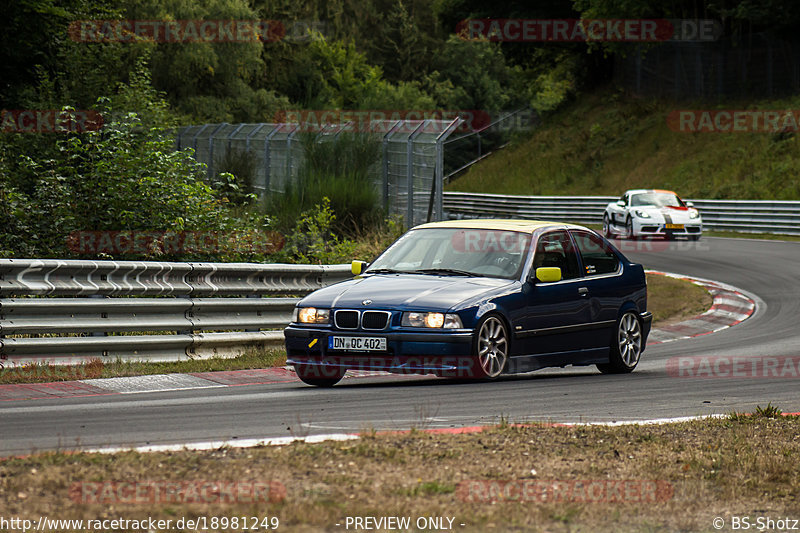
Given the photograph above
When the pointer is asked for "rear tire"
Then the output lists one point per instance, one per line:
(319, 376)
(626, 346)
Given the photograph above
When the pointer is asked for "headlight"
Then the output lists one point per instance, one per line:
(311, 315)
(641, 214)
(431, 320)
(694, 213)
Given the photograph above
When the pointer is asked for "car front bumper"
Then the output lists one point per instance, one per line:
(645, 228)
(412, 352)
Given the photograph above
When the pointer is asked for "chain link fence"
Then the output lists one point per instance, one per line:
(409, 177)
(467, 148)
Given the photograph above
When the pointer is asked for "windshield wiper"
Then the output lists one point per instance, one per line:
(446, 272)
(385, 271)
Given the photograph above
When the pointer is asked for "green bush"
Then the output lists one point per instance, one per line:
(314, 241)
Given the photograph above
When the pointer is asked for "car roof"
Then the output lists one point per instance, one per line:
(642, 191)
(504, 224)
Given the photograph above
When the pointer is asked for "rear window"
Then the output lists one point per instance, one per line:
(597, 256)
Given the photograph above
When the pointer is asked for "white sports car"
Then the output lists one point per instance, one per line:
(652, 212)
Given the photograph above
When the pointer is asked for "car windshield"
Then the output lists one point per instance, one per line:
(658, 199)
(456, 252)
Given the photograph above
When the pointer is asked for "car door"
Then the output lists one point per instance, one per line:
(602, 275)
(619, 212)
(548, 326)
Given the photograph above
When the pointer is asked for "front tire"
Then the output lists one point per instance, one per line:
(629, 234)
(490, 348)
(626, 347)
(319, 376)
(606, 227)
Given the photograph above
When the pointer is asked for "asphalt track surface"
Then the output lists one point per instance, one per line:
(768, 271)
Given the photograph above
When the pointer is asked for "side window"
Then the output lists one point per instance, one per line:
(597, 257)
(555, 249)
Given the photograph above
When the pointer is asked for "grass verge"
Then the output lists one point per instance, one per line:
(739, 465)
(672, 300)
(97, 368)
(607, 142)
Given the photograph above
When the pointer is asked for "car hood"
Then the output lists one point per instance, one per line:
(404, 291)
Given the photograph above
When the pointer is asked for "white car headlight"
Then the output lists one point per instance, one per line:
(694, 213)
(311, 315)
(431, 320)
(642, 214)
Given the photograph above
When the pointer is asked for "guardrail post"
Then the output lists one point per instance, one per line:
(99, 333)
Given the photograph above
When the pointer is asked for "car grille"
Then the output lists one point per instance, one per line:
(346, 319)
(374, 320)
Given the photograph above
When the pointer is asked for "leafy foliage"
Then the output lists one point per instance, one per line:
(125, 176)
(313, 239)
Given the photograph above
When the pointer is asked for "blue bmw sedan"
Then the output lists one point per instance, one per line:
(476, 299)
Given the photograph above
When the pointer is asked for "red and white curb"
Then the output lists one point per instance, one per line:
(731, 306)
(283, 441)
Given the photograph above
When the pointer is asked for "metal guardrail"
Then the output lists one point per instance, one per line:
(53, 277)
(746, 216)
(148, 298)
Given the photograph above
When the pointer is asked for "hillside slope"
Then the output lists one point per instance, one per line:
(607, 142)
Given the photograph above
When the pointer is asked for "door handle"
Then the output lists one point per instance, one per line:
(583, 291)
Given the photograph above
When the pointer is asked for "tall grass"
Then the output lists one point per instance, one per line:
(341, 169)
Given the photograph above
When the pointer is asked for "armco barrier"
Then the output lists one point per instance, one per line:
(747, 216)
(146, 310)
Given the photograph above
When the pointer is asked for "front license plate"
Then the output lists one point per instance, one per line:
(357, 344)
(673, 226)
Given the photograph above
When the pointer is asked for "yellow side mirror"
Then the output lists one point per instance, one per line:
(357, 267)
(548, 274)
